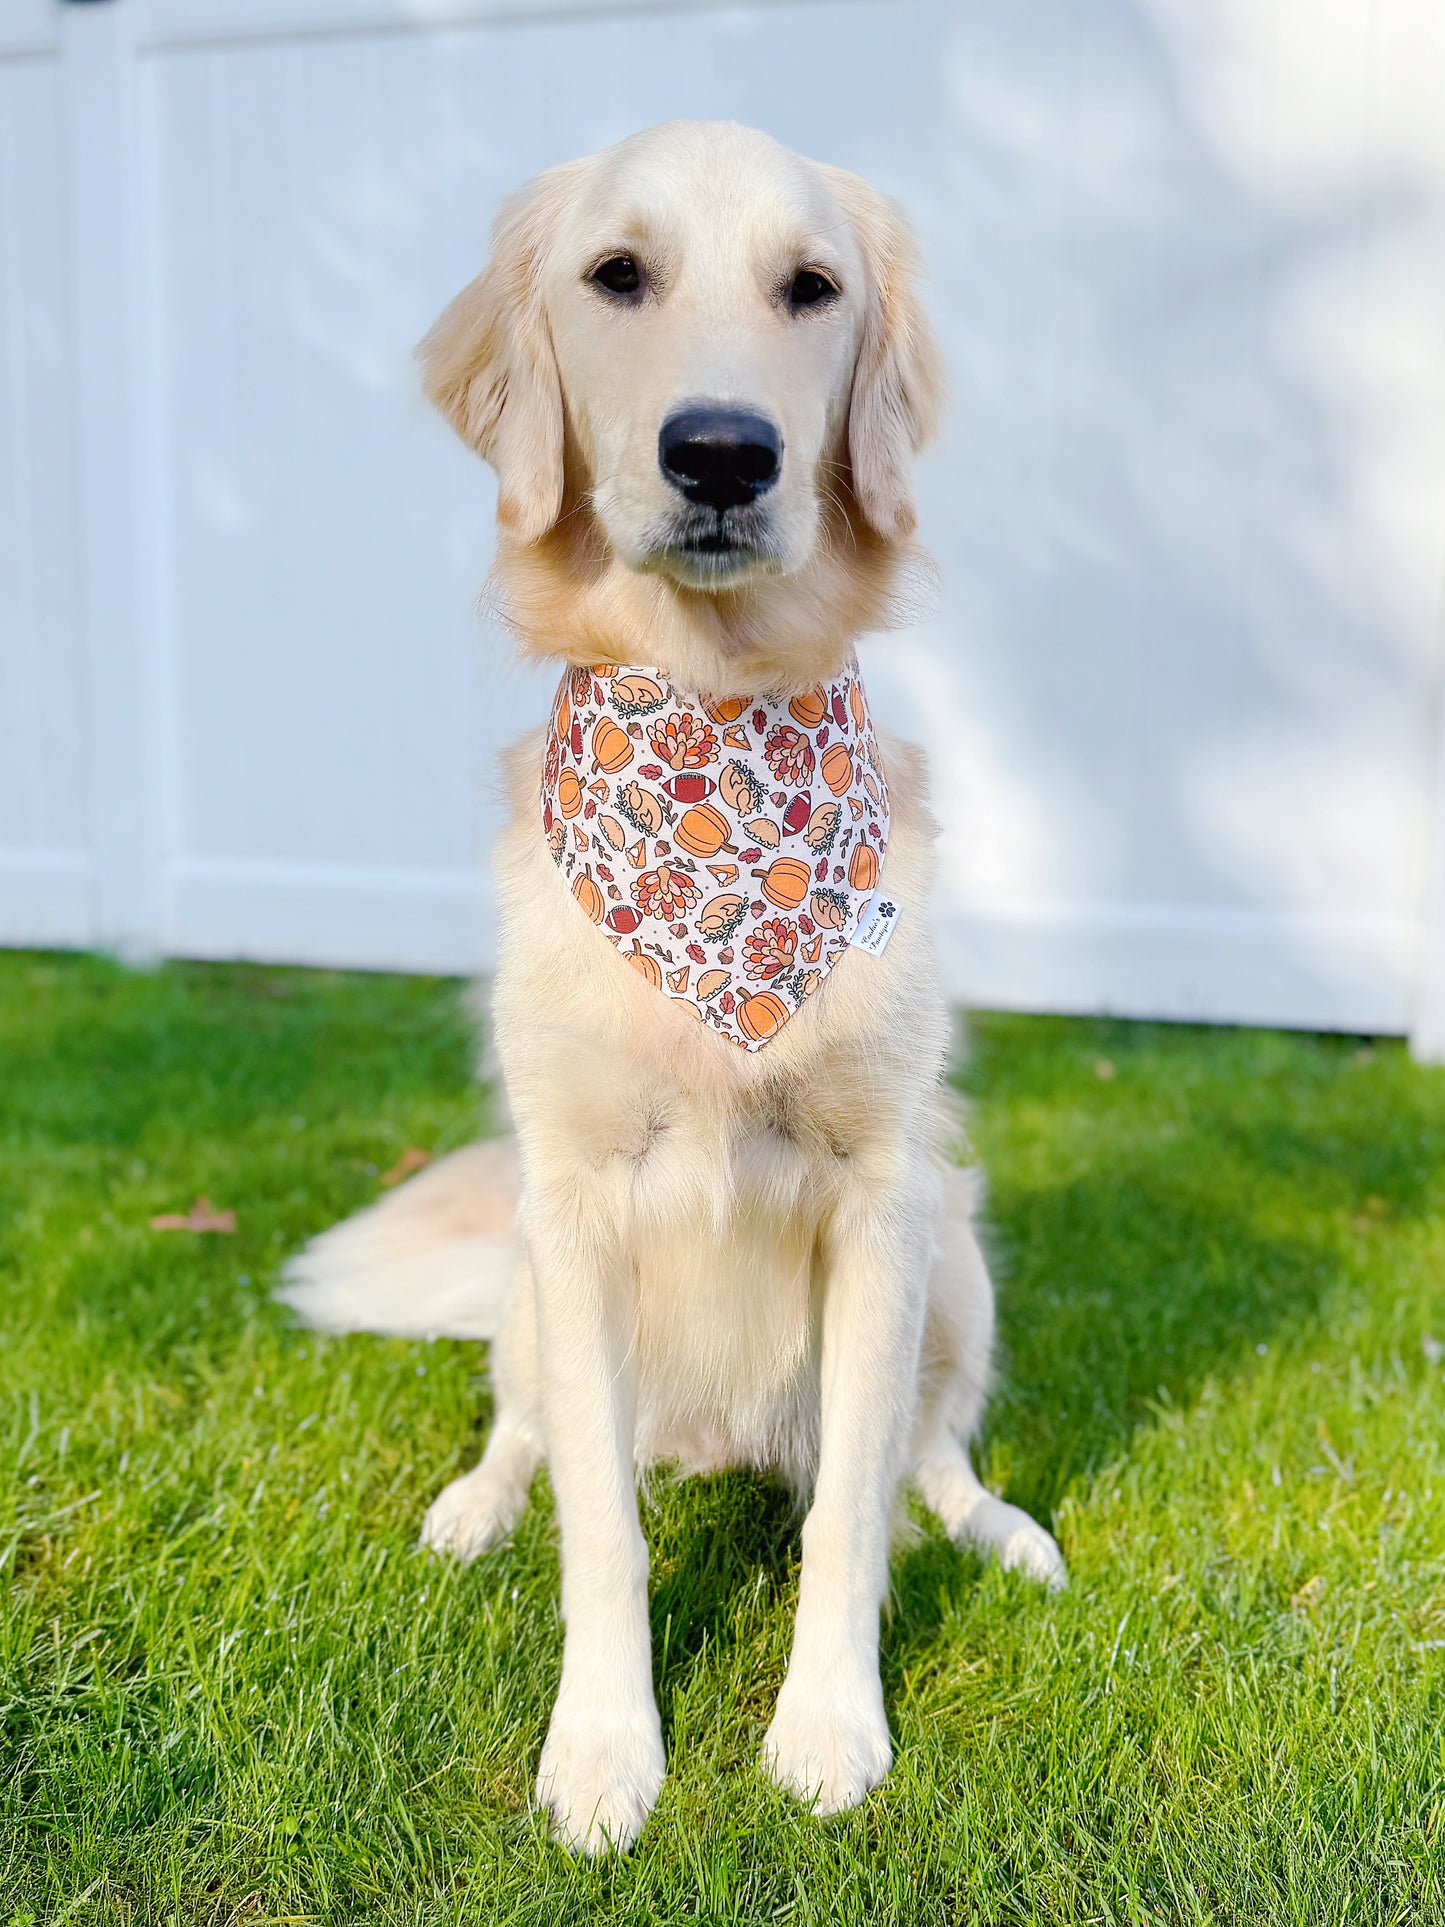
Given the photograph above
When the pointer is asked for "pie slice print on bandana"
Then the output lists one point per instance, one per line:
(726, 847)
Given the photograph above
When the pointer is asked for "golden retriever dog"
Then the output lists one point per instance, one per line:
(699, 366)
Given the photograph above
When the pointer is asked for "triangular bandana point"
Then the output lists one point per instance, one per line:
(727, 847)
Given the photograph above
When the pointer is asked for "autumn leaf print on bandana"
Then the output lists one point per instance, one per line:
(726, 847)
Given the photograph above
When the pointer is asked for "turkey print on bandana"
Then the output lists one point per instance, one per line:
(726, 847)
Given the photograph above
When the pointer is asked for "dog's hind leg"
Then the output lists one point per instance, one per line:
(475, 1511)
(957, 1347)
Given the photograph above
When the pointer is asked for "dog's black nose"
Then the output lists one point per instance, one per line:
(721, 456)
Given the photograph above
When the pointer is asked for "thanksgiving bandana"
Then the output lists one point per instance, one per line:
(727, 847)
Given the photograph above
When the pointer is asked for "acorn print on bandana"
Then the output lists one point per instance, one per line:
(726, 847)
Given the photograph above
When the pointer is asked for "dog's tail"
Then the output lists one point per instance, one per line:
(433, 1260)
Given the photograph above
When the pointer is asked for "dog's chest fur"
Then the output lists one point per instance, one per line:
(714, 1173)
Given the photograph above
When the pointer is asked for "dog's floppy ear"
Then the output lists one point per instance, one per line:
(898, 381)
(489, 366)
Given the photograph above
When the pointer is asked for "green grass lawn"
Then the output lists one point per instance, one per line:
(233, 1692)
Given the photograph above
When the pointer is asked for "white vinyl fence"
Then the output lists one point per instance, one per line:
(1183, 687)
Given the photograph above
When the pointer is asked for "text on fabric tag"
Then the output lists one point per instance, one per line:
(877, 924)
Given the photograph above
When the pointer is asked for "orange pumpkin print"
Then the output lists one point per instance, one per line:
(855, 704)
(837, 768)
(725, 709)
(762, 1016)
(646, 966)
(703, 831)
(610, 747)
(810, 708)
(569, 793)
(863, 868)
(589, 896)
(785, 881)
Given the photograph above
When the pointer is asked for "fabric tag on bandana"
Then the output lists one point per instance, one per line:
(877, 924)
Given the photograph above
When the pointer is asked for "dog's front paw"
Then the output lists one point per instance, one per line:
(827, 1745)
(1019, 1543)
(601, 1772)
(471, 1514)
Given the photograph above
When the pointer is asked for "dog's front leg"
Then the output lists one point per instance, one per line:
(829, 1738)
(602, 1764)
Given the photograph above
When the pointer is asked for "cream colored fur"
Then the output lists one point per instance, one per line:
(720, 1258)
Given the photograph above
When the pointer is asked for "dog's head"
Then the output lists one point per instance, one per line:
(703, 339)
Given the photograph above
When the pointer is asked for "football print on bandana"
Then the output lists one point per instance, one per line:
(726, 847)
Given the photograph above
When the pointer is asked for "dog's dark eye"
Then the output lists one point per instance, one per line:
(619, 274)
(810, 289)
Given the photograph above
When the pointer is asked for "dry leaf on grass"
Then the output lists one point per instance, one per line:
(410, 1160)
(202, 1216)
(1308, 1596)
